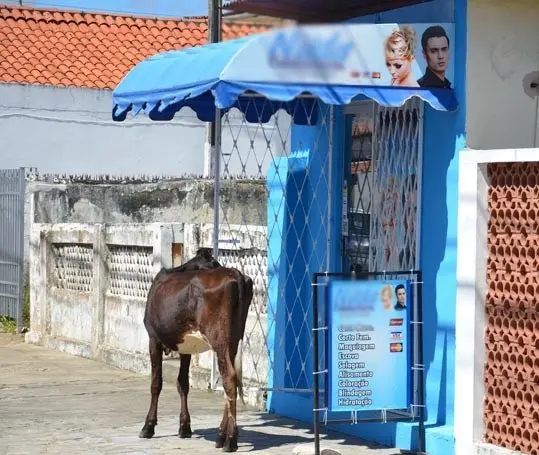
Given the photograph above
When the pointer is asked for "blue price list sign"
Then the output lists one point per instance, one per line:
(369, 353)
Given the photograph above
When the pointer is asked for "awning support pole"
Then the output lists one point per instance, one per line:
(214, 36)
(212, 153)
(217, 182)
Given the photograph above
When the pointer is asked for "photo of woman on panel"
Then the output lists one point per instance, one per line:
(400, 49)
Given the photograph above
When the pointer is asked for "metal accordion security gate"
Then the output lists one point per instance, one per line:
(12, 190)
(282, 242)
(385, 187)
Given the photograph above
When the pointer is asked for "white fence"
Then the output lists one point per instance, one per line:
(88, 287)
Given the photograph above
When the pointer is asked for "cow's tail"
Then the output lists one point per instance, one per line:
(238, 359)
(238, 366)
(245, 296)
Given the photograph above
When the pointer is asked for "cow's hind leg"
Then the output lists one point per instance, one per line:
(221, 434)
(156, 358)
(183, 389)
(228, 375)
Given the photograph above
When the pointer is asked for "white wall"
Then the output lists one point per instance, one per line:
(503, 57)
(89, 282)
(70, 130)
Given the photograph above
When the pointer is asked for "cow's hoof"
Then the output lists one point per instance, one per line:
(231, 445)
(185, 432)
(147, 432)
(220, 441)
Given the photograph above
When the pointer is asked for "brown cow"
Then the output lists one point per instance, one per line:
(191, 309)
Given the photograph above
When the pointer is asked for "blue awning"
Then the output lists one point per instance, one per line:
(263, 73)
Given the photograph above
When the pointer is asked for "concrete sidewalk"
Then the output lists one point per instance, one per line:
(55, 403)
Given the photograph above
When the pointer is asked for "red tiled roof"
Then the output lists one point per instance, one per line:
(76, 49)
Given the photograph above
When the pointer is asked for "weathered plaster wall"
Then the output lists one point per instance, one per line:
(88, 287)
(180, 201)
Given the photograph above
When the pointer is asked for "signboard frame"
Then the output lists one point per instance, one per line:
(368, 340)
(323, 368)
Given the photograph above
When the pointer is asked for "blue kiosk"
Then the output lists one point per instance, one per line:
(359, 99)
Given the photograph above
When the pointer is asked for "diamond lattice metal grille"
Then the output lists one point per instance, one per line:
(284, 237)
(295, 178)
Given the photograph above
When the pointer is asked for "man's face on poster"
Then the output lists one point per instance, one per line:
(437, 54)
(401, 296)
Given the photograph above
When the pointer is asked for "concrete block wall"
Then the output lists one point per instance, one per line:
(89, 282)
(74, 306)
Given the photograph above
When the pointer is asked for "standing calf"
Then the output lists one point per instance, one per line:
(191, 309)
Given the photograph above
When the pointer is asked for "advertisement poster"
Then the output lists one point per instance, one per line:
(369, 348)
(391, 54)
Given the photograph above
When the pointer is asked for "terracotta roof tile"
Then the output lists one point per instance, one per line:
(75, 49)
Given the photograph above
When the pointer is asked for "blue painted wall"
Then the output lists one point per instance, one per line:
(444, 136)
(297, 229)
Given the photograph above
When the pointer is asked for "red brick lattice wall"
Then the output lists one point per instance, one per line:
(511, 407)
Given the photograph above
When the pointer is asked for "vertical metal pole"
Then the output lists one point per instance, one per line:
(316, 368)
(419, 182)
(535, 84)
(330, 190)
(216, 208)
(419, 363)
(214, 36)
(20, 232)
(329, 265)
(327, 366)
(214, 26)
(418, 313)
(209, 151)
(373, 174)
(217, 183)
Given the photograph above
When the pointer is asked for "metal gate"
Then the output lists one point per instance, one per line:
(385, 187)
(286, 235)
(12, 187)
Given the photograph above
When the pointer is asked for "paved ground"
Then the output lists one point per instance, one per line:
(55, 403)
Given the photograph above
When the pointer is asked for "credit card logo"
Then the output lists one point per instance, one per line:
(396, 336)
(396, 321)
(396, 347)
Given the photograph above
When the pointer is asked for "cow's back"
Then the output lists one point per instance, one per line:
(179, 301)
